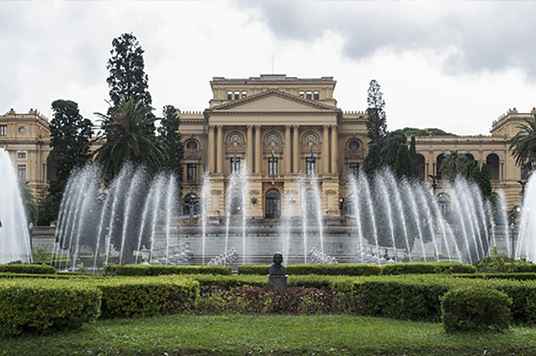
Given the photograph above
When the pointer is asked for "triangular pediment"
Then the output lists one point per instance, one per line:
(273, 101)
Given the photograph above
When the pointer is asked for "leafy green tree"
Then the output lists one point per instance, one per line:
(402, 166)
(376, 118)
(410, 131)
(171, 139)
(453, 164)
(372, 160)
(480, 175)
(523, 144)
(127, 80)
(413, 156)
(70, 141)
(390, 148)
(129, 136)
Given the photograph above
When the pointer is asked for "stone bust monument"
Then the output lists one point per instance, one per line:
(278, 269)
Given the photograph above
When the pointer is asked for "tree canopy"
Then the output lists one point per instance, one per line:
(410, 131)
(171, 139)
(376, 118)
(523, 144)
(454, 164)
(127, 80)
(70, 141)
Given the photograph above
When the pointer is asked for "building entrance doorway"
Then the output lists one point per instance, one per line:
(273, 204)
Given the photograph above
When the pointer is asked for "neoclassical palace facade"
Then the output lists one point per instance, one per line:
(282, 128)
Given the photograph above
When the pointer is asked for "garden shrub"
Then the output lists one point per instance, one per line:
(522, 276)
(144, 296)
(44, 306)
(342, 269)
(27, 268)
(523, 267)
(149, 270)
(427, 268)
(262, 300)
(475, 309)
(231, 281)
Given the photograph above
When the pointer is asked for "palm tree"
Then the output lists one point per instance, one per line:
(453, 164)
(129, 136)
(523, 144)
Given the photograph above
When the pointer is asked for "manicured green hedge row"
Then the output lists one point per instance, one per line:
(416, 297)
(427, 267)
(144, 296)
(149, 270)
(342, 269)
(27, 268)
(523, 276)
(522, 267)
(39, 305)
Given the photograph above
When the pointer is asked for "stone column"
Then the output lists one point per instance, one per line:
(295, 149)
(286, 150)
(334, 149)
(325, 150)
(249, 157)
(219, 150)
(210, 149)
(258, 148)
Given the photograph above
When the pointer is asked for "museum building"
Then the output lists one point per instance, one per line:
(279, 131)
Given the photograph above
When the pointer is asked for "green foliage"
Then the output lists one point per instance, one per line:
(515, 276)
(145, 296)
(372, 161)
(129, 136)
(70, 142)
(376, 119)
(427, 267)
(231, 281)
(390, 148)
(43, 306)
(27, 268)
(409, 131)
(317, 269)
(454, 164)
(403, 165)
(495, 263)
(171, 140)
(413, 156)
(148, 270)
(475, 309)
(127, 80)
(523, 144)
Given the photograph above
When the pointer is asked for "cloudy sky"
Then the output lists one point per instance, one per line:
(453, 65)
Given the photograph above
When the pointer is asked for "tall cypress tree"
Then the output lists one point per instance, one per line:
(171, 139)
(376, 118)
(127, 79)
(413, 156)
(402, 166)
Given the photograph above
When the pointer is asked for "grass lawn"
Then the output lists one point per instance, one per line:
(269, 335)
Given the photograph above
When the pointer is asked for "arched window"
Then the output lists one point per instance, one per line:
(191, 206)
(470, 157)
(235, 139)
(273, 138)
(421, 166)
(439, 160)
(492, 162)
(310, 138)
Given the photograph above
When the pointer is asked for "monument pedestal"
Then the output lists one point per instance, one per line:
(277, 282)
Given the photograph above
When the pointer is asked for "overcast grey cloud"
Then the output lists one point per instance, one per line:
(453, 65)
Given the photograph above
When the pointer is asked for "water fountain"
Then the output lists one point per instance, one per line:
(14, 233)
(526, 245)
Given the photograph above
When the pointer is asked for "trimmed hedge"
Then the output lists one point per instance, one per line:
(27, 268)
(144, 296)
(522, 276)
(43, 306)
(427, 268)
(342, 269)
(475, 309)
(149, 270)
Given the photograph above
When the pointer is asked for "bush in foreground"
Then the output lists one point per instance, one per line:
(342, 269)
(149, 270)
(43, 306)
(476, 309)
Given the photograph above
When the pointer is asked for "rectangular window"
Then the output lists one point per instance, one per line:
(316, 95)
(3, 130)
(235, 165)
(244, 94)
(310, 165)
(191, 171)
(309, 95)
(353, 169)
(21, 155)
(273, 165)
(21, 170)
(302, 94)
(229, 95)
(237, 95)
